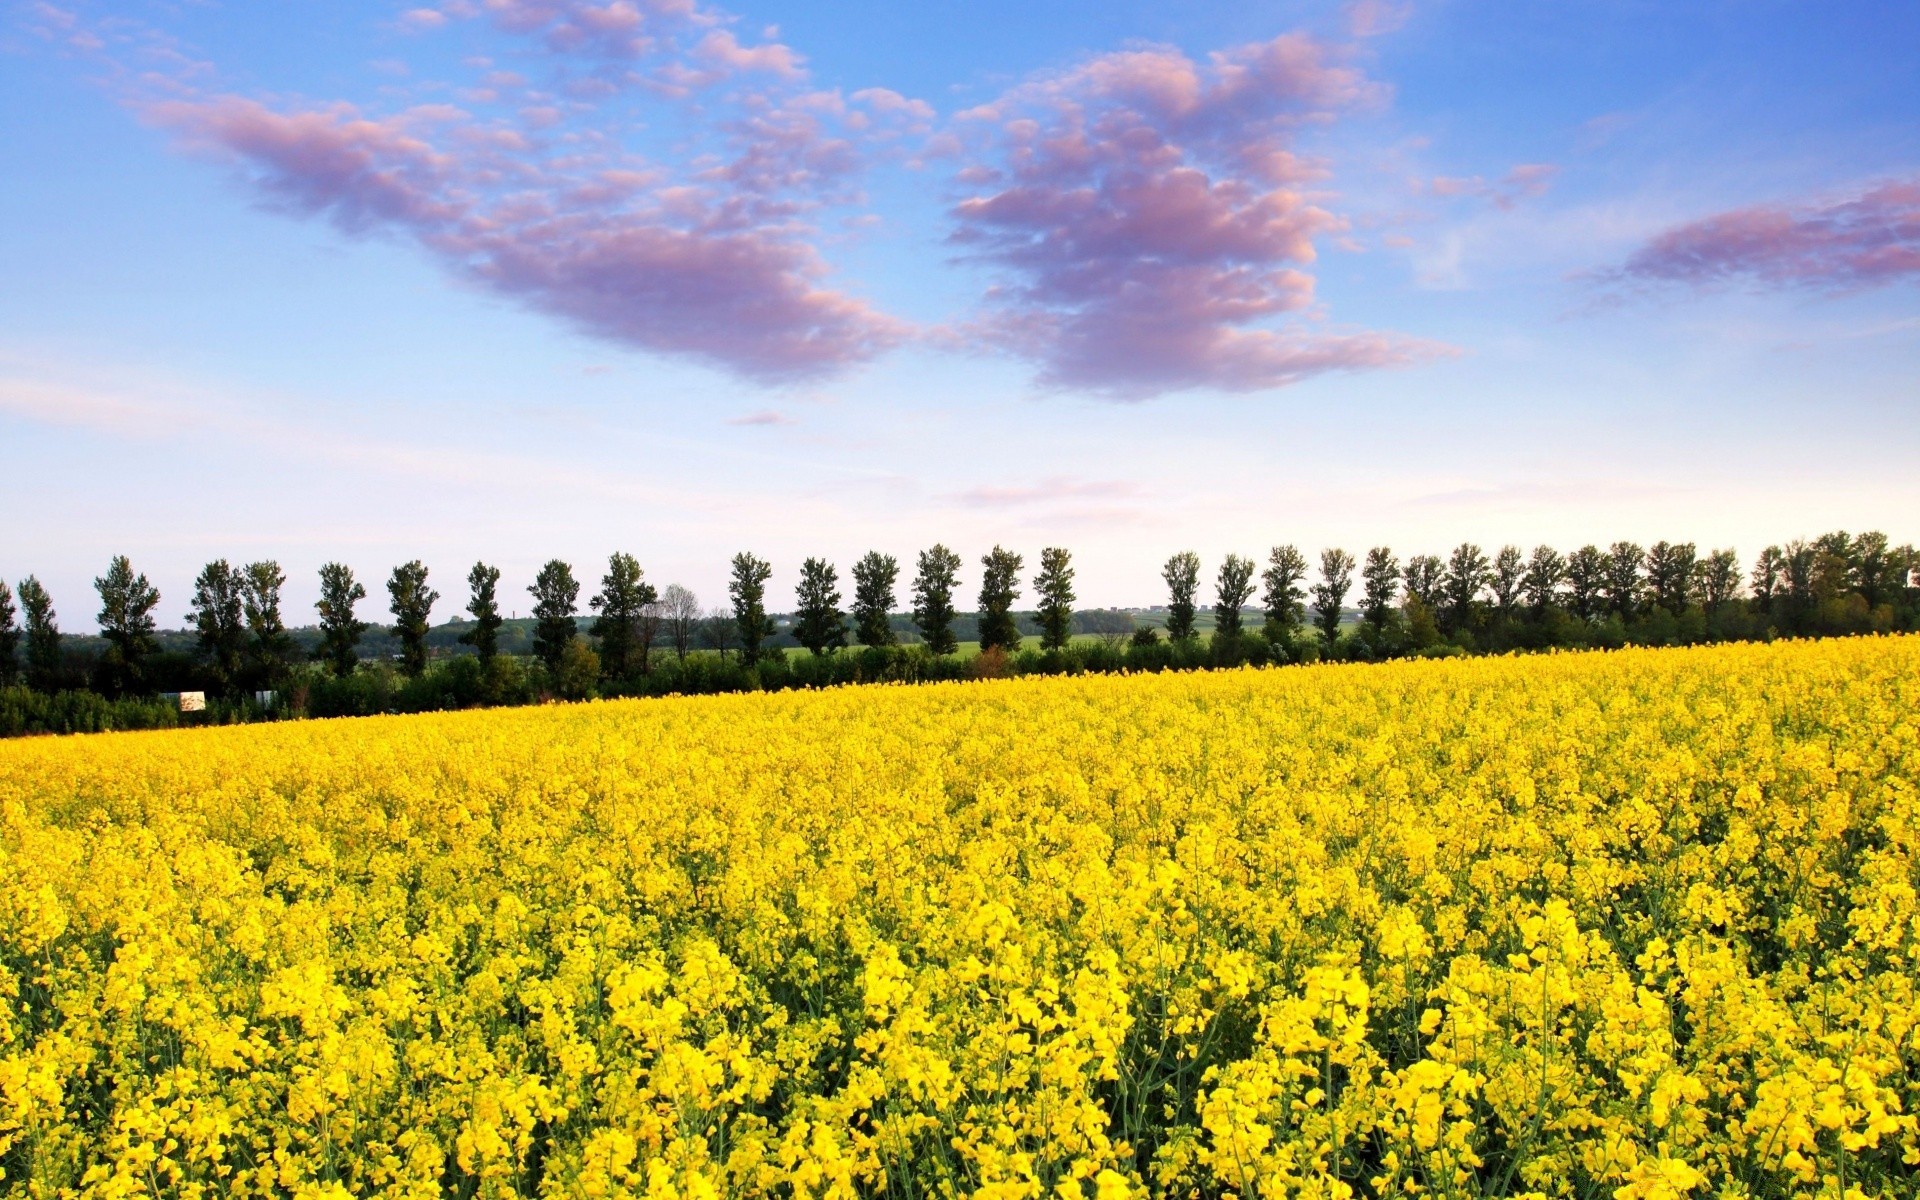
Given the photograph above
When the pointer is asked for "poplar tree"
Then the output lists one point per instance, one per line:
(747, 590)
(1182, 573)
(1621, 565)
(269, 643)
(874, 577)
(1379, 584)
(9, 638)
(340, 630)
(1545, 571)
(219, 619)
(818, 623)
(1768, 572)
(1670, 574)
(1424, 573)
(622, 604)
(1330, 594)
(483, 603)
(556, 598)
(1508, 580)
(411, 603)
(43, 635)
(126, 619)
(1053, 590)
(1281, 602)
(999, 588)
(1232, 588)
(1467, 573)
(936, 576)
(1586, 582)
(1719, 580)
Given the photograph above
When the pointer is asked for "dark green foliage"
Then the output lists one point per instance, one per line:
(934, 582)
(1718, 580)
(411, 603)
(220, 623)
(43, 635)
(1336, 579)
(9, 637)
(819, 625)
(1587, 582)
(1182, 573)
(1670, 574)
(1507, 580)
(1621, 568)
(623, 605)
(1769, 576)
(1232, 588)
(1053, 588)
(874, 577)
(483, 604)
(999, 588)
(1379, 585)
(340, 629)
(556, 598)
(1282, 601)
(1424, 575)
(748, 592)
(1467, 573)
(1546, 570)
(127, 602)
(269, 646)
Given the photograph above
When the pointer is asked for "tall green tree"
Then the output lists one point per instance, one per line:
(622, 603)
(411, 602)
(269, 645)
(1622, 564)
(934, 581)
(127, 602)
(747, 590)
(999, 588)
(220, 620)
(556, 598)
(1182, 573)
(340, 629)
(1379, 586)
(1769, 572)
(483, 603)
(818, 623)
(1587, 582)
(1507, 581)
(1053, 590)
(874, 577)
(1282, 601)
(1546, 570)
(1670, 574)
(1425, 573)
(1718, 580)
(9, 637)
(1877, 569)
(43, 636)
(1468, 572)
(1232, 588)
(1330, 594)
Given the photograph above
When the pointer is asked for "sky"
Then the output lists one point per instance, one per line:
(511, 280)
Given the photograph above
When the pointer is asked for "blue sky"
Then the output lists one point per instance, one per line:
(516, 279)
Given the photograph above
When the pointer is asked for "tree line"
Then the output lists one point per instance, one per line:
(638, 639)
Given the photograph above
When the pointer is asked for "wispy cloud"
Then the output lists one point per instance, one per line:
(1869, 239)
(765, 416)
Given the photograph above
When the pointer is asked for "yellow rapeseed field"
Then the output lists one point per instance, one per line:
(1635, 925)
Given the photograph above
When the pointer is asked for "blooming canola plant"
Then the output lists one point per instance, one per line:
(1640, 924)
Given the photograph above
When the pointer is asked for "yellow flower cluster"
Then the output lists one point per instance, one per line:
(1641, 925)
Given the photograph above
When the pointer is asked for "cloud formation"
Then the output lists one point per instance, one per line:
(1869, 240)
(1147, 214)
(703, 250)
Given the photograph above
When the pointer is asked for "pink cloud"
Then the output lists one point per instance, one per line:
(1376, 18)
(1149, 213)
(763, 417)
(722, 48)
(718, 270)
(1869, 240)
(1524, 181)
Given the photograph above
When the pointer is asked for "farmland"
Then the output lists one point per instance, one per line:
(1640, 924)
